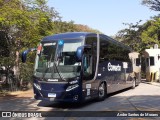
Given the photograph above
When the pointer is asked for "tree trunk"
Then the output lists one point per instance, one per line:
(16, 69)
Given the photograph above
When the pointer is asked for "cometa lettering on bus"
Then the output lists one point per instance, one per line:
(113, 67)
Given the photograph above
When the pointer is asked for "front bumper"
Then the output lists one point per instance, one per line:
(60, 93)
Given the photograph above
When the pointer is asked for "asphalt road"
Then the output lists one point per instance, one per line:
(145, 97)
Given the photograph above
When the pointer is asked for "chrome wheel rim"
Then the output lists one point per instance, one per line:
(101, 90)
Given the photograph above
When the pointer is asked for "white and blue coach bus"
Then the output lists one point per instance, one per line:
(78, 66)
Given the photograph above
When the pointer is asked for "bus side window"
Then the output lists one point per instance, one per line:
(103, 50)
(110, 50)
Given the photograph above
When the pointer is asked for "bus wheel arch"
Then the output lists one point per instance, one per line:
(102, 91)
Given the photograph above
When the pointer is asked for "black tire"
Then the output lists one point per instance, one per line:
(102, 92)
(138, 79)
(134, 83)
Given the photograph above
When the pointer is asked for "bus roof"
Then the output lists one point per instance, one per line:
(68, 35)
(80, 35)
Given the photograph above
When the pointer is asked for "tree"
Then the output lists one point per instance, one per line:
(63, 26)
(22, 25)
(131, 35)
(140, 37)
(151, 34)
(152, 4)
(85, 28)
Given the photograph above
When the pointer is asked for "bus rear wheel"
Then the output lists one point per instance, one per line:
(102, 92)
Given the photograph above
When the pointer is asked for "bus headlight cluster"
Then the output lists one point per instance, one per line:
(37, 86)
(73, 82)
(71, 87)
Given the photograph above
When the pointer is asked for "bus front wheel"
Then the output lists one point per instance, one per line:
(102, 92)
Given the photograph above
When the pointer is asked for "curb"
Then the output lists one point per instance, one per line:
(152, 83)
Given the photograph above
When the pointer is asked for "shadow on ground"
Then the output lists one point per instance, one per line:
(64, 105)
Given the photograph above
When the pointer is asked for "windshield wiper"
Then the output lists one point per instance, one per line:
(60, 75)
(47, 67)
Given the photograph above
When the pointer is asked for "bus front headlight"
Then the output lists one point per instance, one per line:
(71, 87)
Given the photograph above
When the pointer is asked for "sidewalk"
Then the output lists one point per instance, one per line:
(151, 83)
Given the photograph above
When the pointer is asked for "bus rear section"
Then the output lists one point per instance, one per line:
(136, 62)
(152, 64)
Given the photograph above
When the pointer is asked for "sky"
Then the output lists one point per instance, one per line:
(106, 16)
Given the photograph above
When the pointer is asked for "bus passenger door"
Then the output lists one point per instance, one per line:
(89, 67)
(88, 74)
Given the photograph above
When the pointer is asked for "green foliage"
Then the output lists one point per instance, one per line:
(22, 25)
(26, 74)
(131, 36)
(140, 37)
(151, 34)
(63, 26)
(85, 28)
(152, 4)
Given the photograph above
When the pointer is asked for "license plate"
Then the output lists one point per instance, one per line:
(51, 95)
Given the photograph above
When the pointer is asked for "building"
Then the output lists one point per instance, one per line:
(152, 61)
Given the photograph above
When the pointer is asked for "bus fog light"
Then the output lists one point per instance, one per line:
(69, 88)
(75, 97)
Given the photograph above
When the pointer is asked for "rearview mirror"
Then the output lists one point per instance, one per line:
(80, 51)
(24, 54)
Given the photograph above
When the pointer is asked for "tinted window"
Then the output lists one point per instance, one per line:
(91, 58)
(151, 61)
(112, 51)
(138, 61)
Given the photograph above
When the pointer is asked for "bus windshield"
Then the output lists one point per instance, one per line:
(48, 65)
